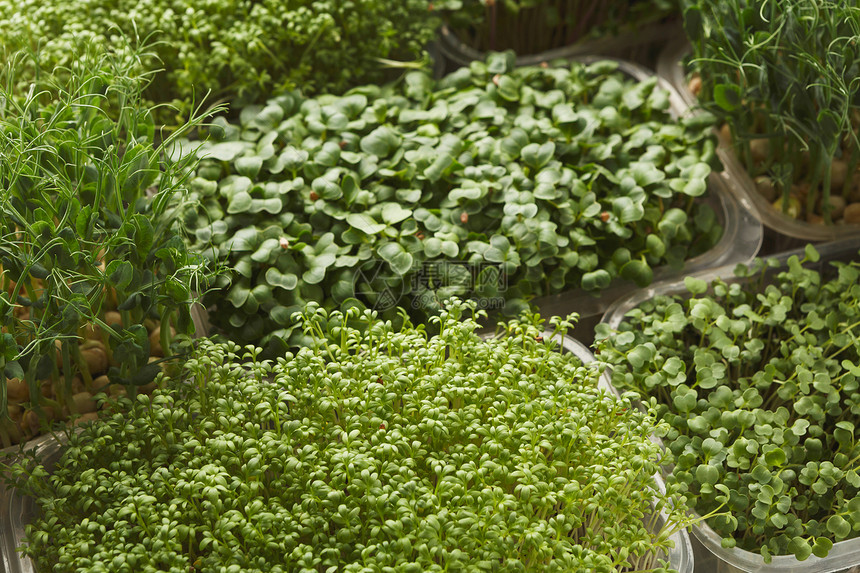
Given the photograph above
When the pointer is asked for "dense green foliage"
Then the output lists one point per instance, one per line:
(783, 76)
(760, 383)
(375, 449)
(87, 209)
(238, 49)
(559, 177)
(534, 26)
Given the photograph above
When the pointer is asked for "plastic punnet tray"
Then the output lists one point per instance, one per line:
(670, 67)
(709, 554)
(459, 53)
(17, 511)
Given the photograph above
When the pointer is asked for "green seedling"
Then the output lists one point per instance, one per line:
(375, 447)
(557, 178)
(758, 380)
(238, 51)
(88, 210)
(782, 76)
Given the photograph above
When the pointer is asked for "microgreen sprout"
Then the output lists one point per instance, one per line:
(758, 379)
(237, 50)
(375, 448)
(553, 178)
(783, 78)
(87, 225)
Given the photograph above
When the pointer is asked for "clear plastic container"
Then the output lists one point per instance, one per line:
(16, 511)
(709, 554)
(200, 318)
(459, 54)
(740, 243)
(670, 66)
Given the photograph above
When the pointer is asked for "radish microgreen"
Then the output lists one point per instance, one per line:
(560, 177)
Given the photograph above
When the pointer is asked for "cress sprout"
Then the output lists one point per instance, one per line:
(376, 448)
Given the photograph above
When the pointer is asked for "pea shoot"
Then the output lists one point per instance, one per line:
(90, 247)
(782, 76)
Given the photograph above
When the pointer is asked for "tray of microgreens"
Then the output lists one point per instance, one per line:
(756, 372)
(377, 448)
(781, 82)
(96, 283)
(232, 50)
(497, 182)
